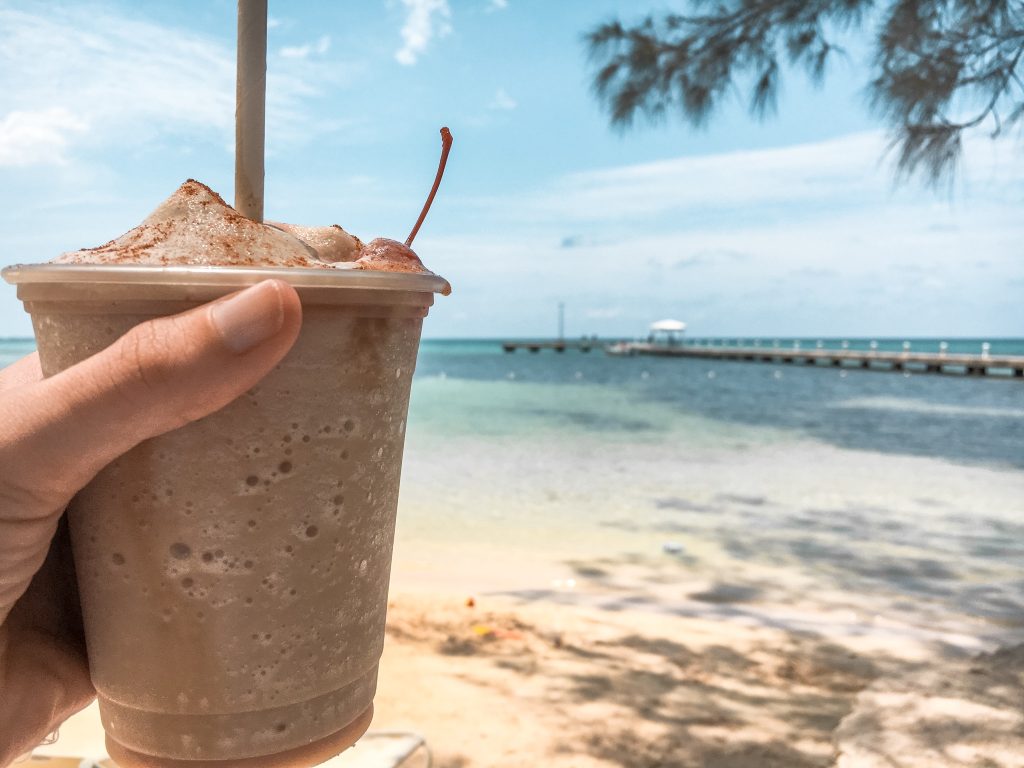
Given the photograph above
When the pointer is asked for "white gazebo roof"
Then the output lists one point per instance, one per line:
(669, 326)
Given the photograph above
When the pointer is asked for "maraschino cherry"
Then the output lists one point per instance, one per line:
(400, 257)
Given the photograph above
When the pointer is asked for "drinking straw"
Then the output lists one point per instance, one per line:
(250, 107)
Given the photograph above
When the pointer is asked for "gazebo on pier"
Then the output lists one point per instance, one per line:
(667, 332)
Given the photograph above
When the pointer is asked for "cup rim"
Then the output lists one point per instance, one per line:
(298, 277)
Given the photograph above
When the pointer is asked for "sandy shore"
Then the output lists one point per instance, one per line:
(503, 684)
(508, 682)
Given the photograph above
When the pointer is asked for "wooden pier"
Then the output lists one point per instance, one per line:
(558, 345)
(1004, 366)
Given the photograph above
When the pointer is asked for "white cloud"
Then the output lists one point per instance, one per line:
(847, 171)
(502, 101)
(37, 138)
(274, 23)
(424, 20)
(85, 78)
(497, 5)
(320, 47)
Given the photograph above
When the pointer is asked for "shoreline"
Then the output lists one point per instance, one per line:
(865, 543)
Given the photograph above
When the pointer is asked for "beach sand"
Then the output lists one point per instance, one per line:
(504, 684)
(548, 686)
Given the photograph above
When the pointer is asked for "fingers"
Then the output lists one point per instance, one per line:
(56, 434)
(43, 683)
(24, 371)
(157, 377)
(44, 677)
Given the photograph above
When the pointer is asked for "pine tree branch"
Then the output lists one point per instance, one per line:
(930, 55)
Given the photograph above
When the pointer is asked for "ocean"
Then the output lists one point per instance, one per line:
(837, 502)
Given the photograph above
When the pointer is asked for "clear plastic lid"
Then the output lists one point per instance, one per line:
(299, 277)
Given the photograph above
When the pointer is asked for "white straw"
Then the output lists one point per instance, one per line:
(250, 107)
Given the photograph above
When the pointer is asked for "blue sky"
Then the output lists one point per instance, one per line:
(787, 227)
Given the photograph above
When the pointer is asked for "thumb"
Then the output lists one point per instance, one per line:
(59, 432)
(159, 376)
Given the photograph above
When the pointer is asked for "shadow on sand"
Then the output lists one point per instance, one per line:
(639, 699)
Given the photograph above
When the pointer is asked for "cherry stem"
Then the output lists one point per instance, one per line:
(446, 147)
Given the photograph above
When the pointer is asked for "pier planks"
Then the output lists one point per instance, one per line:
(916, 362)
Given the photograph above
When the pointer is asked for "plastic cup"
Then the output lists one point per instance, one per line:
(233, 573)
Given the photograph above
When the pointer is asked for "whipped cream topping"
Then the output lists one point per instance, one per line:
(195, 227)
(332, 244)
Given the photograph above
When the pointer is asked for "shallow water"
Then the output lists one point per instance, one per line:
(964, 420)
(837, 501)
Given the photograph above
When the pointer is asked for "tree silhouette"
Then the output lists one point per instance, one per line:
(939, 66)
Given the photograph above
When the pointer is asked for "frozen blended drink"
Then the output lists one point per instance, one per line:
(234, 573)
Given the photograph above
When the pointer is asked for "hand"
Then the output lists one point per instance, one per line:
(57, 433)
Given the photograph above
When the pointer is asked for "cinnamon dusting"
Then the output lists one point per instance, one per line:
(195, 227)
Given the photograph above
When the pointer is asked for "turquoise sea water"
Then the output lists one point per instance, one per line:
(12, 349)
(842, 502)
(978, 422)
(839, 502)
